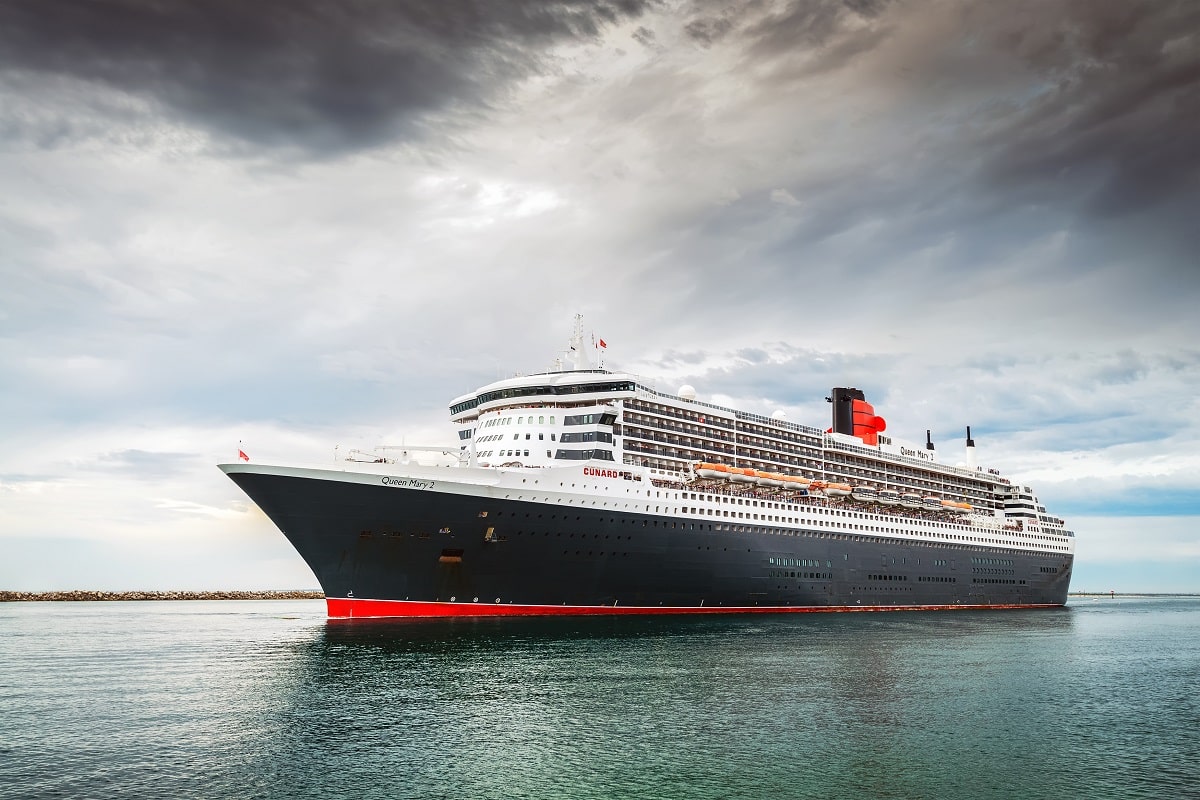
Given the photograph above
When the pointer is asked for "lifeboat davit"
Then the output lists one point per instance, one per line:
(889, 497)
(865, 494)
(767, 479)
(838, 489)
(742, 475)
(910, 500)
(719, 471)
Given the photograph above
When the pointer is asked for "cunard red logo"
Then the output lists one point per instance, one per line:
(601, 473)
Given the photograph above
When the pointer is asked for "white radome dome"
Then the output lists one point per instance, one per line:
(779, 415)
(687, 392)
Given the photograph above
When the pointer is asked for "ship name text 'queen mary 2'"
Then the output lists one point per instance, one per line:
(585, 491)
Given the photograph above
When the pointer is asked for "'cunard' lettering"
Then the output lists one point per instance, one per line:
(599, 472)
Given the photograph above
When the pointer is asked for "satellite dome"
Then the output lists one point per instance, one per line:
(687, 392)
(779, 415)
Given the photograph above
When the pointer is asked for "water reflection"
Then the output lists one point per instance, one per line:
(273, 701)
(588, 704)
(485, 632)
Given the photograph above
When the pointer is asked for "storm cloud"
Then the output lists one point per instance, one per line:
(298, 226)
(324, 78)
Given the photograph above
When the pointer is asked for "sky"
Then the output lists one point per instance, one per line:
(291, 225)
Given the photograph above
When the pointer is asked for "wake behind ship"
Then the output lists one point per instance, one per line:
(585, 491)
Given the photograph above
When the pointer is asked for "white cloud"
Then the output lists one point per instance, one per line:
(783, 197)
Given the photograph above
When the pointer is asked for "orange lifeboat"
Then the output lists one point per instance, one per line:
(838, 489)
(769, 479)
(742, 475)
(794, 481)
(718, 471)
(955, 507)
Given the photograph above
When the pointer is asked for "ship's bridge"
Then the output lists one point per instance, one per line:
(573, 387)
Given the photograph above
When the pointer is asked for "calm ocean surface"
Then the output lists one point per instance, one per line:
(253, 699)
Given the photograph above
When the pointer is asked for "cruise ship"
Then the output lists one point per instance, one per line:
(582, 490)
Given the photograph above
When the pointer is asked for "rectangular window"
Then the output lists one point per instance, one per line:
(583, 455)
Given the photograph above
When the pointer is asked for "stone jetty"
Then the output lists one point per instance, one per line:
(273, 594)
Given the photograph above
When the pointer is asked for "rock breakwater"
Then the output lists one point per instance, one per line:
(8, 597)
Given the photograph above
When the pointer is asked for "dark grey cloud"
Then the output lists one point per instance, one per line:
(705, 30)
(1114, 102)
(804, 25)
(644, 36)
(981, 129)
(673, 358)
(753, 355)
(803, 37)
(1125, 367)
(298, 74)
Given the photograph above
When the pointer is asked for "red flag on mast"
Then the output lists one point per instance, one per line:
(242, 455)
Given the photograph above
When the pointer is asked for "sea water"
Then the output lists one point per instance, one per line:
(268, 699)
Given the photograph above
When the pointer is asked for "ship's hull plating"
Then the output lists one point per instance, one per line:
(387, 551)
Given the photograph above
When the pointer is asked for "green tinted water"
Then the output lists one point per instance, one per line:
(267, 699)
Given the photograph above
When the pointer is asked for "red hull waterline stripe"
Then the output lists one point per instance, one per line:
(349, 608)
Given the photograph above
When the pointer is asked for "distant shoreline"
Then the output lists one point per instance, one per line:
(1133, 594)
(9, 597)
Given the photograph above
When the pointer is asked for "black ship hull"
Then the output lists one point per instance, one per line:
(381, 549)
